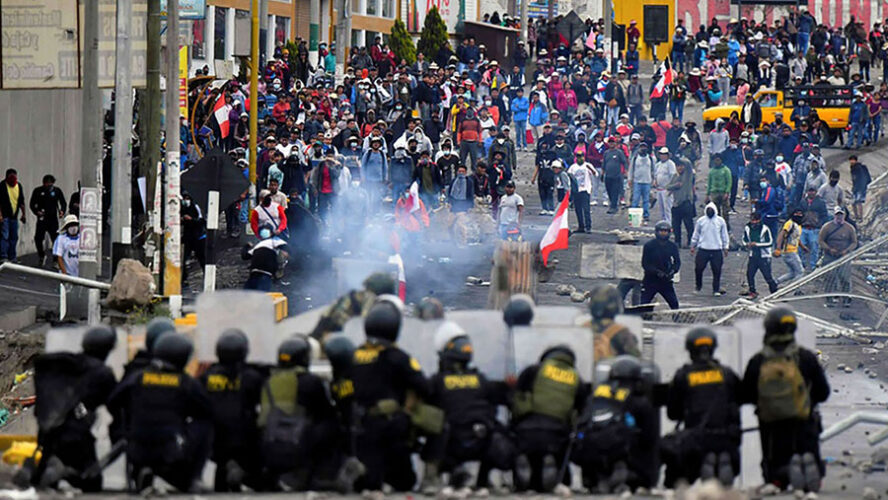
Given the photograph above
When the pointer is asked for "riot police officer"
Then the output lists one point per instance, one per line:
(547, 398)
(705, 398)
(340, 352)
(620, 432)
(786, 382)
(155, 328)
(166, 418)
(519, 311)
(469, 401)
(661, 261)
(610, 338)
(383, 376)
(297, 422)
(69, 388)
(234, 388)
(354, 303)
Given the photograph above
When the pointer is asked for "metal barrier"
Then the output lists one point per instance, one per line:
(43, 273)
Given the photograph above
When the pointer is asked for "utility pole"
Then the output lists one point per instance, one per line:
(609, 34)
(263, 31)
(343, 31)
(523, 35)
(314, 29)
(172, 273)
(122, 159)
(151, 106)
(254, 92)
(90, 124)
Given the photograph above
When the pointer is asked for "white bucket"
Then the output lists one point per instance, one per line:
(635, 217)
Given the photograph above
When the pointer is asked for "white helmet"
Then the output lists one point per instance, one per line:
(445, 333)
(393, 299)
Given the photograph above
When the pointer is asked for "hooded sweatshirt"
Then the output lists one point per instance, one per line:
(710, 233)
(719, 180)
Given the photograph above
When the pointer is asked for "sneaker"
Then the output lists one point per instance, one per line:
(543, 212)
(718, 293)
(594, 203)
(732, 212)
(698, 291)
(752, 295)
(796, 474)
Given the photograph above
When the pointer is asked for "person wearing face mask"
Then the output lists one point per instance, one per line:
(770, 203)
(788, 245)
(709, 245)
(47, 204)
(12, 201)
(66, 248)
(837, 238)
(397, 119)
(447, 161)
(402, 168)
(270, 213)
(661, 261)
(264, 259)
(831, 193)
(758, 241)
(461, 191)
(767, 142)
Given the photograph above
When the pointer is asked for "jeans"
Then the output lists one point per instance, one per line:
(714, 258)
(547, 201)
(857, 133)
(636, 111)
(520, 133)
(469, 148)
(683, 214)
(614, 186)
(755, 265)
(9, 235)
(810, 240)
(865, 70)
(803, 39)
(678, 60)
(581, 207)
(664, 199)
(677, 108)
(641, 193)
(794, 263)
(613, 117)
(875, 128)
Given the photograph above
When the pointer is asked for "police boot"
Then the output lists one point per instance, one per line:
(550, 473)
(796, 473)
(234, 476)
(350, 471)
(725, 469)
(431, 480)
(23, 477)
(144, 480)
(522, 473)
(618, 478)
(707, 470)
(460, 479)
(52, 473)
(811, 469)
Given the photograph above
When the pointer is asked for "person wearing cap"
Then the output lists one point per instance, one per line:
(665, 174)
(511, 210)
(858, 117)
(582, 173)
(66, 248)
(837, 238)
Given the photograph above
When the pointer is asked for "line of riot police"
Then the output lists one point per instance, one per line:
(284, 428)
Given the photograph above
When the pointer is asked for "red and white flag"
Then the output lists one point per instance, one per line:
(556, 236)
(220, 111)
(402, 277)
(665, 79)
(413, 200)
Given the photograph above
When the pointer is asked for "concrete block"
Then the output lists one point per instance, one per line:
(18, 319)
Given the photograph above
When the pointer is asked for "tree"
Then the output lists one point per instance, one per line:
(401, 43)
(434, 35)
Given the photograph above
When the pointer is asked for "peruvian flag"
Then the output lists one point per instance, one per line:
(556, 236)
(220, 111)
(665, 79)
(396, 259)
(413, 200)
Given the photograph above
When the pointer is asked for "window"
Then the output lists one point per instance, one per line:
(198, 37)
(220, 33)
(372, 7)
(356, 38)
(768, 100)
(281, 29)
(388, 8)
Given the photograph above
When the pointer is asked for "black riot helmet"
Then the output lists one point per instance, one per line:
(780, 326)
(98, 341)
(605, 302)
(701, 343)
(155, 328)
(560, 351)
(173, 348)
(458, 349)
(340, 351)
(295, 351)
(380, 283)
(519, 311)
(232, 347)
(383, 322)
(625, 368)
(662, 230)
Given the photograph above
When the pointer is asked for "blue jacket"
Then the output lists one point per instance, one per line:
(806, 24)
(733, 52)
(771, 202)
(539, 115)
(858, 112)
(598, 65)
(733, 159)
(786, 146)
(520, 106)
(374, 166)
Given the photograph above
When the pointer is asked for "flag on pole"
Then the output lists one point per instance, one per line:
(556, 236)
(590, 40)
(220, 112)
(665, 79)
(414, 197)
(402, 277)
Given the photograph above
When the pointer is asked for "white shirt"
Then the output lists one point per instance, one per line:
(508, 209)
(285, 150)
(583, 175)
(664, 171)
(68, 248)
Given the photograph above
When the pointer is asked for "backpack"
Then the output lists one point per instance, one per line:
(607, 429)
(782, 391)
(283, 430)
(602, 347)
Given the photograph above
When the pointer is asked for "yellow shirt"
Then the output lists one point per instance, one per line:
(13, 192)
(793, 233)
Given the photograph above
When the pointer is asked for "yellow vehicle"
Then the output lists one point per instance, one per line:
(830, 107)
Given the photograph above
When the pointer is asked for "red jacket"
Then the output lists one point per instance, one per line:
(281, 216)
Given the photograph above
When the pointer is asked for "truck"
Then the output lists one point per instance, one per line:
(830, 107)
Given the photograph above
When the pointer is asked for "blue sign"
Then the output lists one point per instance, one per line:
(188, 9)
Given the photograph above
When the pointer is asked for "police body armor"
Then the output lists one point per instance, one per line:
(554, 390)
(472, 426)
(233, 417)
(707, 403)
(158, 436)
(606, 430)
